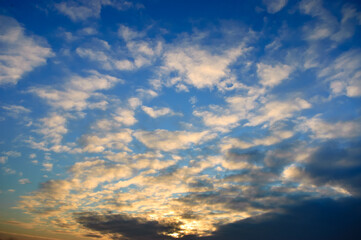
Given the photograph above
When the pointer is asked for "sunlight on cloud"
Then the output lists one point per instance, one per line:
(148, 125)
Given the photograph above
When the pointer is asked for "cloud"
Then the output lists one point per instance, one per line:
(271, 76)
(81, 10)
(141, 49)
(344, 74)
(16, 111)
(8, 170)
(53, 128)
(277, 110)
(77, 91)
(274, 6)
(20, 53)
(12, 153)
(331, 164)
(274, 137)
(125, 116)
(165, 140)
(49, 198)
(89, 174)
(326, 130)
(99, 143)
(128, 227)
(326, 25)
(198, 67)
(24, 181)
(242, 161)
(316, 219)
(157, 112)
(3, 159)
(56, 196)
(101, 52)
(224, 119)
(221, 122)
(48, 166)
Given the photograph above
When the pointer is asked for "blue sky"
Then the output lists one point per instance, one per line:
(179, 119)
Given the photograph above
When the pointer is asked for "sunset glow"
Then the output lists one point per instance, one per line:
(168, 119)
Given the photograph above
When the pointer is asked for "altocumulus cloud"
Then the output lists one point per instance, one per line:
(181, 120)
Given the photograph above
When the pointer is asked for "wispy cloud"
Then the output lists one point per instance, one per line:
(81, 10)
(274, 6)
(76, 93)
(168, 141)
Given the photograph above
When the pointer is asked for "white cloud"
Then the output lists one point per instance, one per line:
(24, 181)
(134, 102)
(147, 93)
(293, 172)
(271, 76)
(16, 110)
(277, 110)
(84, 9)
(53, 128)
(223, 119)
(168, 141)
(105, 59)
(143, 50)
(123, 65)
(157, 112)
(326, 130)
(274, 138)
(125, 116)
(90, 174)
(344, 73)
(20, 53)
(219, 121)
(105, 125)
(199, 68)
(3, 159)
(140, 51)
(117, 140)
(9, 170)
(326, 25)
(12, 153)
(193, 100)
(88, 31)
(274, 6)
(48, 166)
(76, 93)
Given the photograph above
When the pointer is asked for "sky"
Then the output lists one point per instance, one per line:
(193, 120)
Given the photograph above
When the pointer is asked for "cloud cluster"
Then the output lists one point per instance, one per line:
(255, 143)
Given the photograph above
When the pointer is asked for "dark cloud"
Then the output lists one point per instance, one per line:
(92, 236)
(130, 228)
(337, 164)
(312, 220)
